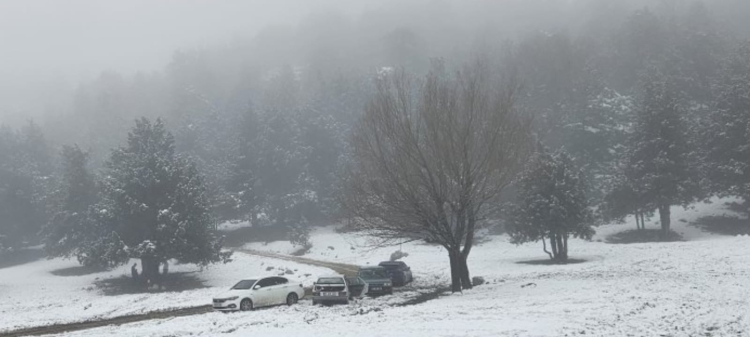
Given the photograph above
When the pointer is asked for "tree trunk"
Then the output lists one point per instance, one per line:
(464, 270)
(468, 244)
(561, 249)
(544, 246)
(455, 256)
(664, 216)
(150, 272)
(637, 222)
(565, 248)
(553, 245)
(643, 221)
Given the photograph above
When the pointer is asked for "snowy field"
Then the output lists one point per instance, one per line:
(697, 287)
(33, 295)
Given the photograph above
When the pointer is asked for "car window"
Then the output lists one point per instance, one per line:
(266, 282)
(280, 281)
(373, 274)
(244, 284)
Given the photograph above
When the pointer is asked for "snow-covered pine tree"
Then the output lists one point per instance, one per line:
(552, 205)
(658, 152)
(76, 192)
(25, 183)
(153, 206)
(727, 135)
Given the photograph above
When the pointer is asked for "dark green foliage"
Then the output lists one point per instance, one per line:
(69, 227)
(552, 205)
(153, 207)
(727, 134)
(658, 165)
(26, 183)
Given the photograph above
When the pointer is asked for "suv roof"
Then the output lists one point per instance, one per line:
(392, 263)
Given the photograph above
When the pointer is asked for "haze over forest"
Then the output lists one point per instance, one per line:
(263, 95)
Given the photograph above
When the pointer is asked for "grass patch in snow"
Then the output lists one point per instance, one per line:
(550, 262)
(642, 236)
(174, 282)
(724, 225)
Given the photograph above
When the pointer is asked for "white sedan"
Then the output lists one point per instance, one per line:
(259, 292)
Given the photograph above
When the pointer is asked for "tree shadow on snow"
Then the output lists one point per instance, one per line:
(76, 271)
(550, 262)
(19, 257)
(175, 282)
(642, 236)
(724, 225)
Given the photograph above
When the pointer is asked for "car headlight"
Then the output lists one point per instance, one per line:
(232, 298)
(387, 284)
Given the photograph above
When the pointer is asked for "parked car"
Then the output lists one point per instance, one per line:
(258, 292)
(399, 272)
(331, 289)
(377, 279)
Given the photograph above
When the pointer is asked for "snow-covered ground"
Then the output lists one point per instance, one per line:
(31, 295)
(700, 286)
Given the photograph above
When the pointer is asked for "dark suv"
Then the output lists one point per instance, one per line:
(399, 272)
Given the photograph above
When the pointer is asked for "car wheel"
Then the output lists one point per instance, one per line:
(292, 299)
(246, 305)
(315, 303)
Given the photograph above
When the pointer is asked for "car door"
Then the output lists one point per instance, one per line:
(280, 290)
(263, 292)
(356, 286)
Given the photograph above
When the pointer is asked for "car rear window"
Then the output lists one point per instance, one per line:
(330, 280)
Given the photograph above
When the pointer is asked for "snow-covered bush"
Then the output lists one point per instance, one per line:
(299, 236)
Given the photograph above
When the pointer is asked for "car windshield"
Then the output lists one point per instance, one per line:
(244, 284)
(330, 280)
(373, 274)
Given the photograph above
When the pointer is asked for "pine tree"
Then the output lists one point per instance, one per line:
(658, 154)
(153, 207)
(552, 205)
(25, 184)
(69, 226)
(727, 134)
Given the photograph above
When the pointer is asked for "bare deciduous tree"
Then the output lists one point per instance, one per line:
(429, 164)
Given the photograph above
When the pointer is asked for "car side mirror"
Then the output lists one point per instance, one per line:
(257, 286)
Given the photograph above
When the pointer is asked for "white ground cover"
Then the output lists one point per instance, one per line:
(697, 287)
(30, 295)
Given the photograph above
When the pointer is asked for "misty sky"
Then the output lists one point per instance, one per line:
(53, 43)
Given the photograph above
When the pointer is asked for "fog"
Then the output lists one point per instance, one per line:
(136, 135)
(50, 46)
